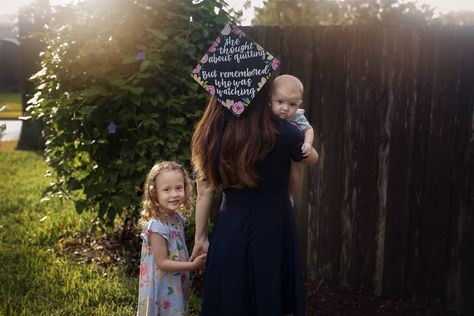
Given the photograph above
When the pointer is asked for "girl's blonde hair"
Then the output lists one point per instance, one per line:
(150, 206)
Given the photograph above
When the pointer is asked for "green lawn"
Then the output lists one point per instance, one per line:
(36, 277)
(12, 103)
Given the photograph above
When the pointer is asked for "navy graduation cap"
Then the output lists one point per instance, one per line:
(234, 68)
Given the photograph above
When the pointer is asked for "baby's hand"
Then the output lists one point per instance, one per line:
(200, 262)
(306, 149)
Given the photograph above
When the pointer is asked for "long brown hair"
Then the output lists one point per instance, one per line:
(226, 149)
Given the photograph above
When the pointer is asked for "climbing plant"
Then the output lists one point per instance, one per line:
(115, 95)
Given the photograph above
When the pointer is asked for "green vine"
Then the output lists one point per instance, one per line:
(116, 95)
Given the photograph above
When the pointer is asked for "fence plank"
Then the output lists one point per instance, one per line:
(362, 92)
(461, 230)
(297, 61)
(436, 193)
(401, 56)
(325, 186)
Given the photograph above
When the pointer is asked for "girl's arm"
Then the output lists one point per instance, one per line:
(203, 208)
(159, 250)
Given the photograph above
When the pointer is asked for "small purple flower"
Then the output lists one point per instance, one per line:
(112, 128)
(140, 56)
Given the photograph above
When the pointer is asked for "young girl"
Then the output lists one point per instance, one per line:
(164, 265)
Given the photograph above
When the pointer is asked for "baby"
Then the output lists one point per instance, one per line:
(285, 100)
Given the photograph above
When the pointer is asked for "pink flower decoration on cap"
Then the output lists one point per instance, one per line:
(236, 30)
(211, 90)
(204, 59)
(275, 63)
(197, 69)
(238, 108)
(212, 49)
(228, 103)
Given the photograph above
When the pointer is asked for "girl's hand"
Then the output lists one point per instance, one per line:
(200, 262)
(200, 247)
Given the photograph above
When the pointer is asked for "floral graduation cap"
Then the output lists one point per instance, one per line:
(234, 68)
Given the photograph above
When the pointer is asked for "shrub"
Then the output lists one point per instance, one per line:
(115, 95)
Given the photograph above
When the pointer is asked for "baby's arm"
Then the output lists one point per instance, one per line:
(159, 250)
(308, 140)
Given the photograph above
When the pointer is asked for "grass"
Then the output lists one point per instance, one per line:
(36, 277)
(13, 105)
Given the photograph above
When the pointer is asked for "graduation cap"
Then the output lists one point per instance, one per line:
(234, 68)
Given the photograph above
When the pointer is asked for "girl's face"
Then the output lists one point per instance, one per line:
(169, 188)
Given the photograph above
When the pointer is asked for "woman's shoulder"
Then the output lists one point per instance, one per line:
(287, 129)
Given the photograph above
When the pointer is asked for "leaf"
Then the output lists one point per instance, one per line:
(137, 90)
(160, 35)
(118, 82)
(86, 110)
(73, 184)
(80, 206)
(129, 60)
(136, 99)
(145, 65)
(95, 91)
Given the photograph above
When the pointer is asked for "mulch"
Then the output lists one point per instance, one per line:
(320, 300)
(344, 301)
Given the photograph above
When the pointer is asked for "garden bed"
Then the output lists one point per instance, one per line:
(343, 301)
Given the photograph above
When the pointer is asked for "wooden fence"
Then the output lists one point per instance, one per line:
(390, 205)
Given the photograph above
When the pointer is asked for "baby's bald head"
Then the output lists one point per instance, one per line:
(286, 96)
(289, 82)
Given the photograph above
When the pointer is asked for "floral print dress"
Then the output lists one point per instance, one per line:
(163, 293)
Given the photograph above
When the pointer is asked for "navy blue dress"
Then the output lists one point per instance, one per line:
(253, 264)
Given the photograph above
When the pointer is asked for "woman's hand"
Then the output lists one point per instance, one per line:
(200, 248)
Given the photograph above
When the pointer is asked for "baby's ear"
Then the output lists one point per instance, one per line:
(299, 102)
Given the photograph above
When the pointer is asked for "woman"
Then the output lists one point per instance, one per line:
(253, 266)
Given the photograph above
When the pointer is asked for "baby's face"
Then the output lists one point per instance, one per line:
(285, 101)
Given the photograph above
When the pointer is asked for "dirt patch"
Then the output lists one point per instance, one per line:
(104, 250)
(342, 301)
(8, 145)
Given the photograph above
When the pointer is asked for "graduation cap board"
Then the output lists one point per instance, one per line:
(234, 68)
